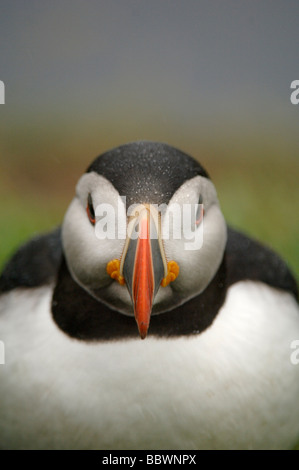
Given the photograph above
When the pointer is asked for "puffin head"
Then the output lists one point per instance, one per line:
(144, 232)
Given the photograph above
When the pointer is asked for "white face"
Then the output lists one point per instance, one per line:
(199, 250)
(87, 255)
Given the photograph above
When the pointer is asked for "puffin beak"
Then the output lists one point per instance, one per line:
(143, 266)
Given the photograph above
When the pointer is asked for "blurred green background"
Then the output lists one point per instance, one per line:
(212, 78)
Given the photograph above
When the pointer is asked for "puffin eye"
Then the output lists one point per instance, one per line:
(90, 210)
(199, 212)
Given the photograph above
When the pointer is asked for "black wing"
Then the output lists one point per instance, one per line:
(249, 259)
(34, 264)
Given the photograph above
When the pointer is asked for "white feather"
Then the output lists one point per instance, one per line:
(231, 387)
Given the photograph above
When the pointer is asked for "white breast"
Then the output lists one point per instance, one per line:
(233, 386)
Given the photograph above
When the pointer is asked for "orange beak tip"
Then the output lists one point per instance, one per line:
(143, 327)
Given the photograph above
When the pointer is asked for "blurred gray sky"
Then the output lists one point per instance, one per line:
(190, 67)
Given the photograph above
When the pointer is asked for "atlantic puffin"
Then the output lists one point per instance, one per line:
(145, 322)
